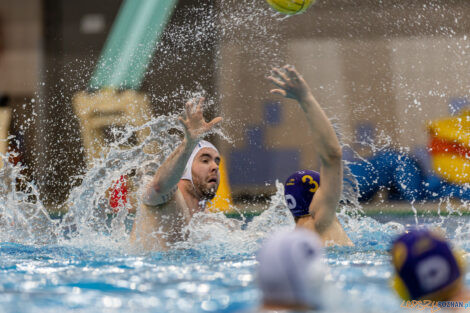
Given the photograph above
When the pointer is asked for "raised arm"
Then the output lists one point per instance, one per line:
(164, 183)
(323, 207)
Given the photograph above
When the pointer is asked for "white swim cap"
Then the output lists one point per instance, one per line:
(187, 174)
(291, 271)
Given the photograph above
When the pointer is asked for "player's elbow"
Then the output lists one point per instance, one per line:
(148, 196)
(151, 193)
(154, 195)
(333, 156)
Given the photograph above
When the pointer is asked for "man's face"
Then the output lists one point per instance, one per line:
(205, 172)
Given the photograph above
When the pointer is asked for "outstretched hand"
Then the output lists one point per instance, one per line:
(194, 124)
(289, 82)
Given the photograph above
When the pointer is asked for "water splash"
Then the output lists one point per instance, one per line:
(23, 218)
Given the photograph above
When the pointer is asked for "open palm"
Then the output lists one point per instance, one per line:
(194, 124)
(289, 82)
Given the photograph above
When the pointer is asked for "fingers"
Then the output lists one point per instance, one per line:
(214, 122)
(284, 78)
(188, 108)
(291, 72)
(277, 82)
(192, 108)
(281, 92)
(280, 74)
(199, 105)
(183, 122)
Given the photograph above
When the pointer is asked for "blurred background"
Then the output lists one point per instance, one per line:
(383, 71)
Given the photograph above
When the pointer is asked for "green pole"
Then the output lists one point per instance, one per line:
(131, 43)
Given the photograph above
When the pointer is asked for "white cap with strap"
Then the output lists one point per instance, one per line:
(187, 174)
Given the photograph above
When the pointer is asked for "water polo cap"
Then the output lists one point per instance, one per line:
(187, 174)
(425, 265)
(290, 270)
(299, 190)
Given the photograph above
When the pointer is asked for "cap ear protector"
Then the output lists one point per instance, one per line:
(402, 290)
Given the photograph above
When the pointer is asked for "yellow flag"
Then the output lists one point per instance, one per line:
(222, 201)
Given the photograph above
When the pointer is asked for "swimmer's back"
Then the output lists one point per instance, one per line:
(334, 234)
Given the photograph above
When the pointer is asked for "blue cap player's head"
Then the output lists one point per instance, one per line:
(426, 267)
(316, 213)
(299, 190)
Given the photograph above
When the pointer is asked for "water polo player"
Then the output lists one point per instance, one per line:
(180, 187)
(427, 268)
(291, 274)
(317, 213)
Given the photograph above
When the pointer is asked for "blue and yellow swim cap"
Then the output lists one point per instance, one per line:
(426, 266)
(299, 190)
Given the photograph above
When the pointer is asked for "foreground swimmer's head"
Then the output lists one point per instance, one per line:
(202, 169)
(299, 190)
(291, 272)
(426, 267)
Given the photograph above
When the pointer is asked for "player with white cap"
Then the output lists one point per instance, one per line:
(291, 273)
(181, 186)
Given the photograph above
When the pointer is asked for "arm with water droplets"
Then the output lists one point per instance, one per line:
(163, 184)
(291, 84)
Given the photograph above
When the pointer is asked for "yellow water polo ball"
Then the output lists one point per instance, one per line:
(290, 6)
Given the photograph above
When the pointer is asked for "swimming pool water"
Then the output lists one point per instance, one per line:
(54, 278)
(210, 276)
